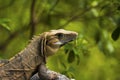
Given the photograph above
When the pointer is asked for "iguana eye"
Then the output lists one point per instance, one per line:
(60, 35)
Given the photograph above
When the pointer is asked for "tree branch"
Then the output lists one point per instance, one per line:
(32, 18)
(12, 36)
(23, 29)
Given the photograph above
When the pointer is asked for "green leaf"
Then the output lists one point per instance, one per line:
(5, 24)
(115, 34)
(71, 56)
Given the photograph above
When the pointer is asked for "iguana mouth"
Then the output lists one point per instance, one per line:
(66, 43)
(63, 44)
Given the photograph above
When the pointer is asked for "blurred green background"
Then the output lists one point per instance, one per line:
(95, 55)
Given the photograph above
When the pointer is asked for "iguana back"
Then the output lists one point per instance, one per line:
(24, 64)
(21, 66)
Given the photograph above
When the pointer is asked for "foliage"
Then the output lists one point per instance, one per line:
(95, 53)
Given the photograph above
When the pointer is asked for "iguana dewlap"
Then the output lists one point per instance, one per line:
(33, 57)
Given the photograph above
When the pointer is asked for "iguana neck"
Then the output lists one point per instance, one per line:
(29, 55)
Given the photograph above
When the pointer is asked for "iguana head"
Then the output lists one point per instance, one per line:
(51, 41)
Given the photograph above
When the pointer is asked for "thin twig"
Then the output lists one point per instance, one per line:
(78, 15)
(48, 14)
(53, 6)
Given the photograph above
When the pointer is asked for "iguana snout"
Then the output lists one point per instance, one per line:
(64, 38)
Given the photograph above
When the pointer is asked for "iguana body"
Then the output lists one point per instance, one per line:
(24, 64)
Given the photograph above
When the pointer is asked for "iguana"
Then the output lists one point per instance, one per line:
(33, 58)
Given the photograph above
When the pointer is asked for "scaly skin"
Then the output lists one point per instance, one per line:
(33, 58)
